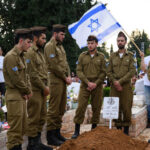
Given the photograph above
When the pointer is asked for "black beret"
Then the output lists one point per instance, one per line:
(59, 28)
(23, 31)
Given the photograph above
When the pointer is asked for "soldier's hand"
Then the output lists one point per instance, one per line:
(25, 97)
(116, 83)
(119, 88)
(68, 80)
(46, 91)
(141, 54)
(91, 86)
(29, 95)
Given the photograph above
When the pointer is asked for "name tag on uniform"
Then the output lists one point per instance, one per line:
(15, 68)
(52, 55)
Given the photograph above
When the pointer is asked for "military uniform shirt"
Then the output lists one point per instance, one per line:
(56, 60)
(121, 69)
(15, 72)
(91, 67)
(37, 68)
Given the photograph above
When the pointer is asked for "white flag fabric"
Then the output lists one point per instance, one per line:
(97, 21)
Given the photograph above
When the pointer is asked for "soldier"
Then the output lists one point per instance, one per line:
(120, 71)
(59, 76)
(38, 73)
(17, 88)
(91, 70)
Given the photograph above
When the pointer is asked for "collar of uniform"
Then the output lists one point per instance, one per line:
(34, 47)
(96, 53)
(126, 52)
(18, 52)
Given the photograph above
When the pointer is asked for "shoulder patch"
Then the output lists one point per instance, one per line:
(52, 55)
(15, 68)
(27, 61)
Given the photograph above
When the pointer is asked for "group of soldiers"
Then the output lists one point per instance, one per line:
(33, 70)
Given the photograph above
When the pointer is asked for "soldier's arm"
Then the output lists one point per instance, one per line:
(50, 53)
(79, 71)
(14, 75)
(109, 71)
(130, 73)
(102, 72)
(33, 72)
(68, 69)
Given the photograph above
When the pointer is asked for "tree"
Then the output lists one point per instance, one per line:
(138, 38)
(111, 49)
(27, 13)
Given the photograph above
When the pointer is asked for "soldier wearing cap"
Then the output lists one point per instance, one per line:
(59, 77)
(38, 73)
(120, 71)
(18, 88)
(91, 69)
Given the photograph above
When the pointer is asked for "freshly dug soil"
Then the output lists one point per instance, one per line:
(102, 138)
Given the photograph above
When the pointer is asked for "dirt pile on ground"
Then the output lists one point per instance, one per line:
(102, 138)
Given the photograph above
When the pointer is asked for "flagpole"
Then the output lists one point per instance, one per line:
(132, 41)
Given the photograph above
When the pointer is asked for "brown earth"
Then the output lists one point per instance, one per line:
(103, 138)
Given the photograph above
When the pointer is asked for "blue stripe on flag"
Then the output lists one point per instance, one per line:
(108, 31)
(87, 16)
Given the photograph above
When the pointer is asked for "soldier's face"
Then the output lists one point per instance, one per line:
(92, 45)
(121, 42)
(41, 40)
(26, 44)
(60, 36)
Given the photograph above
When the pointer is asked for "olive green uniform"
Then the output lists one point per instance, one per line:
(90, 69)
(17, 85)
(58, 71)
(122, 70)
(36, 106)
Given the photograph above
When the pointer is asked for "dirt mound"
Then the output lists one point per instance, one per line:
(102, 138)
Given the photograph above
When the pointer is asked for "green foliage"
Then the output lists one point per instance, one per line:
(106, 91)
(27, 13)
(138, 38)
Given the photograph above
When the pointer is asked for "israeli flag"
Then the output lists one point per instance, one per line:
(97, 21)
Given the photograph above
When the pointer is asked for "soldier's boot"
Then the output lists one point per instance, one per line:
(17, 147)
(126, 130)
(119, 127)
(76, 132)
(33, 143)
(52, 138)
(94, 125)
(41, 145)
(59, 136)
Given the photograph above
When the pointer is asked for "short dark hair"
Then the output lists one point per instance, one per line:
(38, 30)
(121, 34)
(23, 33)
(92, 38)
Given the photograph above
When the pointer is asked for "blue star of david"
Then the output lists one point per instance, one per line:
(93, 24)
